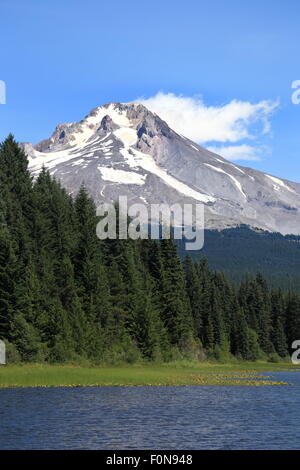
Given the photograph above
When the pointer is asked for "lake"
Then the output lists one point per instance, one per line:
(189, 417)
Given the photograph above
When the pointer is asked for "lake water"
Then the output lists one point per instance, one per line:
(189, 417)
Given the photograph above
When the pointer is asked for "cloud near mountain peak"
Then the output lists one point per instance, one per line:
(231, 123)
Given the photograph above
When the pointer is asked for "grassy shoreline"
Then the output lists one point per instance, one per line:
(182, 373)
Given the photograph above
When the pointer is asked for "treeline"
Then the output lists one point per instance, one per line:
(66, 296)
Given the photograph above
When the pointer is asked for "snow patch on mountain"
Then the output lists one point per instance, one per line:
(127, 136)
(280, 184)
(236, 182)
(121, 176)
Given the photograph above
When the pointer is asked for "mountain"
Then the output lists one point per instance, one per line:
(124, 149)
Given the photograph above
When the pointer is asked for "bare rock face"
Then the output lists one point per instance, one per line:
(124, 149)
(107, 124)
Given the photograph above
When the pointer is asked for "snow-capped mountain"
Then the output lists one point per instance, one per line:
(124, 149)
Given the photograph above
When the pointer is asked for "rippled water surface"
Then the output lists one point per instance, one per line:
(190, 417)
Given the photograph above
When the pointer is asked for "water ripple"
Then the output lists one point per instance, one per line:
(190, 417)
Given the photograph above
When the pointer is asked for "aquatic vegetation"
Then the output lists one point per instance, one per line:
(42, 375)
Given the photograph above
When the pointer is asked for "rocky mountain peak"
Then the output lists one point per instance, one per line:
(125, 149)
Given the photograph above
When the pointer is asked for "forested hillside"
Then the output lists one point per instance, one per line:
(241, 250)
(65, 295)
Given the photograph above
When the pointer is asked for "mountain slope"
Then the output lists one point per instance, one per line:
(124, 149)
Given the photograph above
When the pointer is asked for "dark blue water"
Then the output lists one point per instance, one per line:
(190, 417)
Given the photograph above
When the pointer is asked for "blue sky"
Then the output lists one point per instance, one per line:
(228, 65)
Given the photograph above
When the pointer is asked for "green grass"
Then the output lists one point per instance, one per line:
(177, 373)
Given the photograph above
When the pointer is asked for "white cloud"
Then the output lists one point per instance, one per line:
(239, 152)
(231, 122)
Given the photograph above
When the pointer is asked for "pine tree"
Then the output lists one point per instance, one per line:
(205, 307)
(255, 300)
(16, 192)
(292, 319)
(278, 337)
(194, 291)
(244, 341)
(176, 310)
(7, 283)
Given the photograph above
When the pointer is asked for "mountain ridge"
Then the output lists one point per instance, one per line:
(125, 149)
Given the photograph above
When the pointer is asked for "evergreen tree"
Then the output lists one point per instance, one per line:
(292, 319)
(7, 283)
(278, 336)
(176, 311)
(194, 291)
